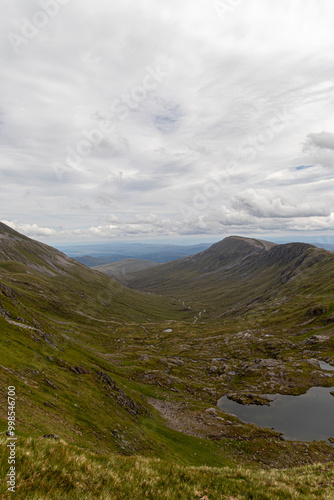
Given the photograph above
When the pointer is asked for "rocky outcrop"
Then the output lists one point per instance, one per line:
(113, 390)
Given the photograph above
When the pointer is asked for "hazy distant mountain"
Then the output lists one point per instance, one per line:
(119, 270)
(326, 246)
(102, 253)
(90, 261)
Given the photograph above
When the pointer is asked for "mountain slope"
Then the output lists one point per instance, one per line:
(70, 286)
(233, 273)
(114, 370)
(74, 473)
(63, 327)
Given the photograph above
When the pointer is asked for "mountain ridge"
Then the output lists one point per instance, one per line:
(231, 271)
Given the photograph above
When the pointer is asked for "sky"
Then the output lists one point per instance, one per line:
(139, 120)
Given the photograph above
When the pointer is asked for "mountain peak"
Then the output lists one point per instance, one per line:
(234, 248)
(262, 244)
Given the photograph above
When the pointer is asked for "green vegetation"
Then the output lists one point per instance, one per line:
(135, 377)
(53, 469)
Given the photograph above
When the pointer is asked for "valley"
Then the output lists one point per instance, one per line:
(138, 371)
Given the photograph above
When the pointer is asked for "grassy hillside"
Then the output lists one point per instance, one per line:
(237, 274)
(61, 326)
(53, 469)
(112, 370)
(44, 278)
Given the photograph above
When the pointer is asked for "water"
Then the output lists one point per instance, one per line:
(308, 417)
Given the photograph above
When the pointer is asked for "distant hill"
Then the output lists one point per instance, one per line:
(119, 270)
(90, 261)
(235, 272)
(103, 253)
(326, 246)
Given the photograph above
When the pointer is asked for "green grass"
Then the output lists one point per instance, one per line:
(49, 469)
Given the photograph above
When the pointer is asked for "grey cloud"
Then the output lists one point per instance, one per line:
(264, 203)
(226, 82)
(322, 140)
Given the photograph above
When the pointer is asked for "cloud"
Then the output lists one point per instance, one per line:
(319, 148)
(264, 203)
(322, 140)
(31, 229)
(115, 115)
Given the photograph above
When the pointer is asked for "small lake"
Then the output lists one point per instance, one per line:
(308, 417)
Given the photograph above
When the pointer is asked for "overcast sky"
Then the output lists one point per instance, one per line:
(146, 119)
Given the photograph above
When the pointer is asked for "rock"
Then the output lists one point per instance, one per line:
(313, 362)
(317, 310)
(144, 357)
(105, 378)
(78, 370)
(269, 363)
(210, 390)
(50, 405)
(176, 361)
(212, 411)
(317, 339)
(217, 370)
(247, 398)
(81, 370)
(129, 404)
(48, 382)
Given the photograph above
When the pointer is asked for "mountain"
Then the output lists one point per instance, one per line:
(72, 288)
(326, 246)
(90, 261)
(94, 254)
(237, 272)
(63, 329)
(119, 270)
(123, 372)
